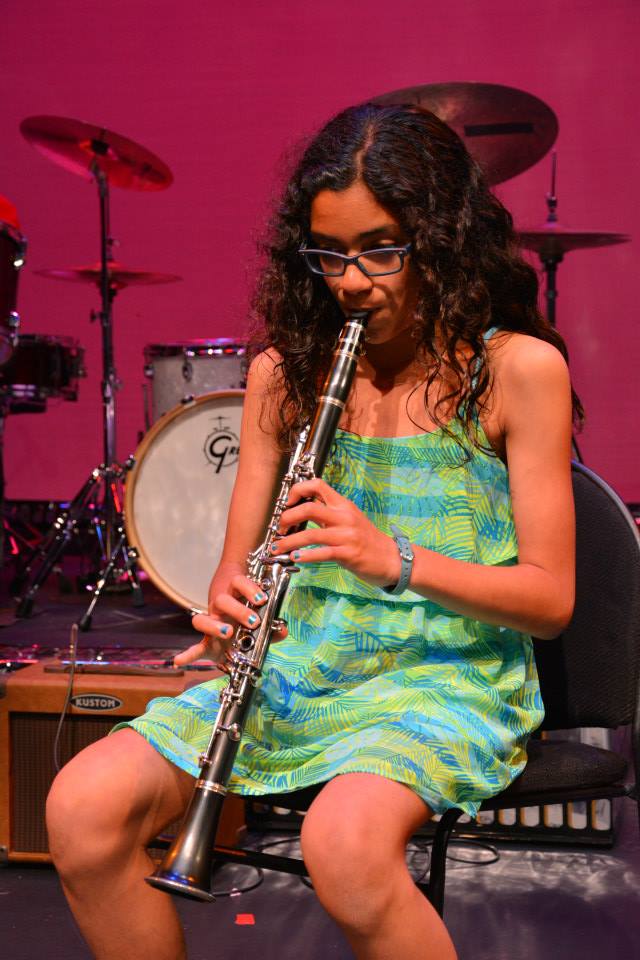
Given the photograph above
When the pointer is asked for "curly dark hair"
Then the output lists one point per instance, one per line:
(464, 251)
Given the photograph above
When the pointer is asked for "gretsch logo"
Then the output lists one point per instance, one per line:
(95, 702)
(222, 446)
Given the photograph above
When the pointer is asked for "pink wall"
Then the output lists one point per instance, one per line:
(219, 92)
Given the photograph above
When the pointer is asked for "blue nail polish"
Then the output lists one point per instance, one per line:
(252, 619)
(296, 554)
(225, 631)
(259, 596)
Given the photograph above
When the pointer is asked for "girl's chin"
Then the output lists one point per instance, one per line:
(378, 334)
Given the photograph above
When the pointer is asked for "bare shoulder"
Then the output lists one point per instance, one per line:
(529, 382)
(525, 372)
(264, 395)
(518, 360)
(265, 367)
(531, 396)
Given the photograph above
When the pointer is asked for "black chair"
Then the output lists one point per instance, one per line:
(589, 678)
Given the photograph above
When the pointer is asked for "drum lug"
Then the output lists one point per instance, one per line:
(189, 398)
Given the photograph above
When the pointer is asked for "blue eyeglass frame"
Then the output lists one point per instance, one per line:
(346, 261)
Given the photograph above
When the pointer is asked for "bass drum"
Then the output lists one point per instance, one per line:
(178, 493)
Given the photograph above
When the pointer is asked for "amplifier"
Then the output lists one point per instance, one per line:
(31, 701)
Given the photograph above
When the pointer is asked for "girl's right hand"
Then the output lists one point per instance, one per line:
(227, 611)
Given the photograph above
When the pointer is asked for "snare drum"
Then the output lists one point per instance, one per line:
(178, 493)
(12, 253)
(185, 369)
(41, 367)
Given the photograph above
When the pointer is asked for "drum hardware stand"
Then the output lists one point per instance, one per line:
(550, 260)
(66, 525)
(129, 557)
(109, 521)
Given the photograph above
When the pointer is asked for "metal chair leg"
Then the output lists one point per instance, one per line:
(435, 887)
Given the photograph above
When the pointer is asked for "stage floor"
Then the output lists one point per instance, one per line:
(534, 903)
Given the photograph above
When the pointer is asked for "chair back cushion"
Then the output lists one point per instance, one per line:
(589, 675)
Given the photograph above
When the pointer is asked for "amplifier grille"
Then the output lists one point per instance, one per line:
(32, 740)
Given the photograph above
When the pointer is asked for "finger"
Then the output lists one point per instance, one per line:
(297, 541)
(197, 651)
(308, 511)
(249, 590)
(212, 626)
(313, 489)
(236, 611)
(318, 555)
(315, 536)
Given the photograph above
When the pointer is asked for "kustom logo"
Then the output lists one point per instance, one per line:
(95, 702)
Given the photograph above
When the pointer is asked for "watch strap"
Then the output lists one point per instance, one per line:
(406, 562)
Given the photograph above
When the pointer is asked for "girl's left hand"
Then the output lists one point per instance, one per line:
(344, 535)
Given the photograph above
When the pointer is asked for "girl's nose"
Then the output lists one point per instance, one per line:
(354, 280)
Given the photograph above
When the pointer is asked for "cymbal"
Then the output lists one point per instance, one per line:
(83, 148)
(506, 130)
(119, 275)
(553, 240)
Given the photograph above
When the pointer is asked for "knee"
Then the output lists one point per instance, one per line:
(72, 825)
(83, 821)
(356, 876)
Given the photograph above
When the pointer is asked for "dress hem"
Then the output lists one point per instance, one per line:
(437, 804)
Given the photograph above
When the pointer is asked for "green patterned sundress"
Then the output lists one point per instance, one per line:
(368, 682)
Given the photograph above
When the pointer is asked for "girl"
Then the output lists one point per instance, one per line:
(406, 681)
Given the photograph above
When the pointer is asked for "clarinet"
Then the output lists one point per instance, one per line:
(187, 866)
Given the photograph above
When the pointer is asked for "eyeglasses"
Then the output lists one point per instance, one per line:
(373, 263)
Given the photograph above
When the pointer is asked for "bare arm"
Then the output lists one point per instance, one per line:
(259, 468)
(536, 595)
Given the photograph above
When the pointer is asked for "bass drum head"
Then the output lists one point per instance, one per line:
(178, 493)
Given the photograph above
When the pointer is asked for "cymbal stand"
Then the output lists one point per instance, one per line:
(65, 526)
(550, 259)
(99, 498)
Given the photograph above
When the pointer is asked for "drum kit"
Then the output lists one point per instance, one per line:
(180, 383)
(177, 485)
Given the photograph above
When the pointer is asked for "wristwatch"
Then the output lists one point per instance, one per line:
(406, 561)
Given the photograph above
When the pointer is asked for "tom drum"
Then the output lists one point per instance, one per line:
(41, 367)
(185, 369)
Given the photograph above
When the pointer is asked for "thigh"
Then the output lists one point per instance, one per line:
(120, 782)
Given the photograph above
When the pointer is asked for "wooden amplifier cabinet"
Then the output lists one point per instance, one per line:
(31, 701)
